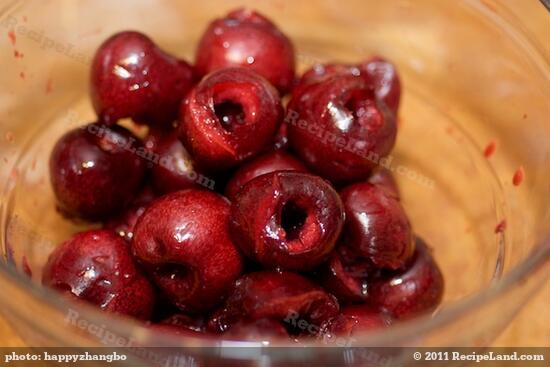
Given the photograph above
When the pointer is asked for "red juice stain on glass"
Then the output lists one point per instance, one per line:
(22, 75)
(490, 149)
(501, 227)
(11, 36)
(26, 268)
(518, 176)
(49, 86)
(9, 137)
(17, 54)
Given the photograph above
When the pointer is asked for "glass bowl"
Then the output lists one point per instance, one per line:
(472, 78)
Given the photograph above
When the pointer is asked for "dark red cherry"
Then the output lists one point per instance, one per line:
(346, 275)
(281, 296)
(410, 292)
(173, 168)
(267, 163)
(281, 138)
(340, 129)
(96, 171)
(132, 77)
(354, 320)
(383, 177)
(230, 116)
(96, 266)
(377, 226)
(247, 39)
(183, 241)
(384, 77)
(124, 223)
(379, 73)
(287, 220)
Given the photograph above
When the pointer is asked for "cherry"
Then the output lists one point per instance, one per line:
(412, 291)
(132, 77)
(281, 138)
(376, 225)
(173, 168)
(267, 163)
(96, 266)
(385, 79)
(356, 319)
(378, 72)
(183, 241)
(124, 223)
(346, 275)
(280, 296)
(339, 128)
(287, 220)
(247, 39)
(95, 171)
(230, 116)
(383, 177)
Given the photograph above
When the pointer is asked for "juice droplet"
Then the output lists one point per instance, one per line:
(17, 54)
(518, 176)
(11, 36)
(9, 137)
(26, 268)
(49, 86)
(490, 149)
(22, 75)
(501, 227)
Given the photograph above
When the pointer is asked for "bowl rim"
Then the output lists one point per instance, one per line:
(502, 18)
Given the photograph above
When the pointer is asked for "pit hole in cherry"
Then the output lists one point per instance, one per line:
(229, 114)
(293, 218)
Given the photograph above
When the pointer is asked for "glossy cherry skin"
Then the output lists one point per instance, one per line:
(247, 39)
(96, 266)
(281, 138)
(261, 329)
(410, 292)
(356, 319)
(183, 241)
(281, 296)
(173, 167)
(267, 163)
(383, 177)
(346, 275)
(377, 226)
(124, 223)
(378, 72)
(95, 171)
(230, 116)
(340, 129)
(132, 77)
(287, 220)
(385, 79)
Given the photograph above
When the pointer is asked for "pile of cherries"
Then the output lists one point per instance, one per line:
(238, 214)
